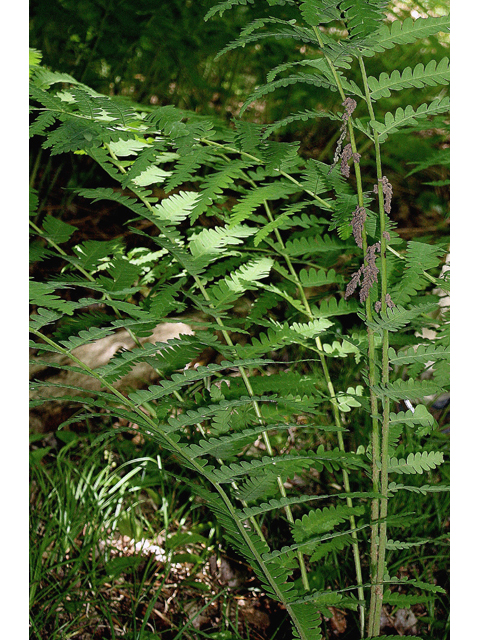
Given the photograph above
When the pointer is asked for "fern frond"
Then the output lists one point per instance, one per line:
(306, 620)
(56, 230)
(280, 156)
(319, 277)
(307, 547)
(320, 521)
(323, 12)
(403, 32)
(421, 416)
(419, 258)
(257, 196)
(407, 389)
(91, 253)
(336, 544)
(437, 157)
(393, 487)
(215, 183)
(221, 7)
(246, 277)
(280, 503)
(409, 116)
(304, 116)
(398, 317)
(102, 398)
(44, 78)
(312, 245)
(176, 208)
(225, 446)
(295, 33)
(311, 329)
(314, 178)
(362, 17)
(416, 462)
(282, 221)
(166, 356)
(423, 353)
(47, 100)
(248, 137)
(266, 342)
(42, 122)
(109, 194)
(265, 468)
(187, 165)
(340, 349)
(395, 545)
(75, 134)
(42, 318)
(42, 294)
(287, 465)
(431, 75)
(178, 381)
(404, 601)
(209, 244)
(150, 175)
(291, 30)
(334, 307)
(85, 337)
(317, 63)
(307, 78)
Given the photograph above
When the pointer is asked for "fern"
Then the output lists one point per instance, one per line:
(322, 520)
(416, 463)
(423, 354)
(256, 243)
(407, 389)
(409, 116)
(419, 77)
(403, 32)
(362, 18)
(257, 197)
(311, 79)
(398, 317)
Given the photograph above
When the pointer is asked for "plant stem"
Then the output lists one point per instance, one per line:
(377, 578)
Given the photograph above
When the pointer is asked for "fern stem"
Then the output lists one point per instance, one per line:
(424, 273)
(375, 434)
(377, 594)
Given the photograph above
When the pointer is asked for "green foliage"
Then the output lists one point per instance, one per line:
(235, 230)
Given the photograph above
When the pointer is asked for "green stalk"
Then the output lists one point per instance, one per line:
(375, 435)
(377, 593)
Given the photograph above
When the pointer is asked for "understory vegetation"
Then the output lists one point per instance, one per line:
(239, 320)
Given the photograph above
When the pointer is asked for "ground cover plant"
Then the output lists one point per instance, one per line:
(287, 268)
